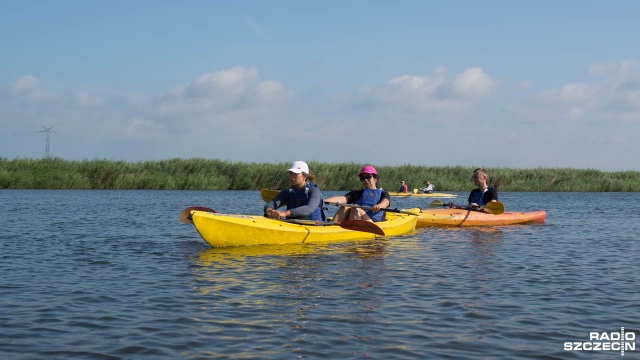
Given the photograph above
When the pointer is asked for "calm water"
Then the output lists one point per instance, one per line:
(114, 274)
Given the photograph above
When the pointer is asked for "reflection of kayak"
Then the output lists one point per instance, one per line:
(436, 195)
(462, 217)
(236, 254)
(220, 230)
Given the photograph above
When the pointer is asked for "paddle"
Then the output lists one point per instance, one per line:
(185, 215)
(268, 195)
(414, 211)
(415, 191)
(494, 207)
(361, 225)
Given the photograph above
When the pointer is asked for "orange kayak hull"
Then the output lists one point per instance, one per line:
(461, 217)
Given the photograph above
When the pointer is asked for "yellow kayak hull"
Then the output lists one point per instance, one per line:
(220, 230)
(436, 195)
(462, 217)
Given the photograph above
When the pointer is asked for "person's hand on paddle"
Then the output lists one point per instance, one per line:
(383, 204)
(474, 206)
(275, 214)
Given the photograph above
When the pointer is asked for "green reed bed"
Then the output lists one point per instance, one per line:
(211, 174)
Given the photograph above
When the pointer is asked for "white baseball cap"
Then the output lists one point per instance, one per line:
(298, 167)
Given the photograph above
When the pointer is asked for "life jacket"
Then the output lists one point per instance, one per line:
(301, 198)
(369, 198)
(477, 196)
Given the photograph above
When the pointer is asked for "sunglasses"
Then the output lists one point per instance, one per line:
(365, 177)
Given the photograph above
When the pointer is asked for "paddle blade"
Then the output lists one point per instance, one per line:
(415, 191)
(495, 207)
(414, 211)
(185, 215)
(435, 204)
(268, 195)
(361, 225)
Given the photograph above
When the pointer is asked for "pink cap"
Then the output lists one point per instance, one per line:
(368, 170)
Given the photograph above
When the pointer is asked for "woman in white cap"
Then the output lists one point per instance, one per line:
(369, 196)
(303, 200)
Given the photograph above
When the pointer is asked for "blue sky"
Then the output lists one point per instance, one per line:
(519, 84)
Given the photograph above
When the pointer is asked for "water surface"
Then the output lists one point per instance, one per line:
(114, 274)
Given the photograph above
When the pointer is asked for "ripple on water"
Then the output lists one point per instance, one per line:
(123, 278)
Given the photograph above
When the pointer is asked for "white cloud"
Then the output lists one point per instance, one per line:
(85, 99)
(28, 87)
(419, 94)
(614, 68)
(142, 128)
(237, 114)
(235, 88)
(570, 94)
(24, 84)
(472, 82)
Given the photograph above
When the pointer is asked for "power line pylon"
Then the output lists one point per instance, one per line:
(48, 131)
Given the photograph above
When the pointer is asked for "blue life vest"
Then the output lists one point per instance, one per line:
(369, 198)
(301, 198)
(478, 196)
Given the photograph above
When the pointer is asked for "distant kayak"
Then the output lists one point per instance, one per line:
(434, 195)
(463, 217)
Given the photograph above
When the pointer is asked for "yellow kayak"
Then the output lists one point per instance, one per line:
(435, 195)
(219, 230)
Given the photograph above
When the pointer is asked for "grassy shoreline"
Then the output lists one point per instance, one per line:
(212, 174)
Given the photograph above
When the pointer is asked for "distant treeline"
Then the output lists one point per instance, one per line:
(209, 174)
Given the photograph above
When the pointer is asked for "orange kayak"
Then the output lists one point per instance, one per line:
(462, 217)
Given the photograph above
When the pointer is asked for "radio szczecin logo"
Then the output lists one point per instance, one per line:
(602, 341)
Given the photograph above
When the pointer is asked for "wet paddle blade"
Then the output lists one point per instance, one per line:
(361, 225)
(185, 215)
(435, 204)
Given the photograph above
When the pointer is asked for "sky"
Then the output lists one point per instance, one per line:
(517, 84)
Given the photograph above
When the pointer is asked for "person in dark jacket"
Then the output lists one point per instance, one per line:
(303, 200)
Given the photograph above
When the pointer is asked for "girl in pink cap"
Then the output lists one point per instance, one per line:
(369, 196)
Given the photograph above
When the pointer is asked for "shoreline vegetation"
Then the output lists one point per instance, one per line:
(212, 174)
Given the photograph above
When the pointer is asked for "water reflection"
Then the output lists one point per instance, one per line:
(301, 292)
(228, 256)
(484, 256)
(215, 268)
(485, 239)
